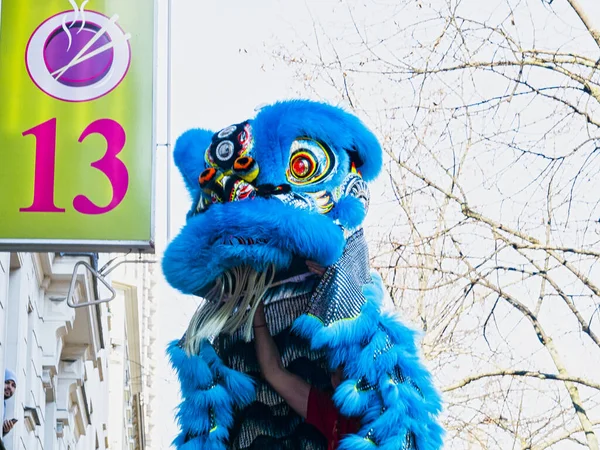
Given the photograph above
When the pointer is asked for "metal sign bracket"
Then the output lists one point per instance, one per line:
(99, 275)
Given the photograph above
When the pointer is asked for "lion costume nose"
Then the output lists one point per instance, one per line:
(207, 176)
(235, 184)
(246, 168)
(232, 185)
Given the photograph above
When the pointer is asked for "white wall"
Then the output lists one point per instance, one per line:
(132, 360)
(57, 352)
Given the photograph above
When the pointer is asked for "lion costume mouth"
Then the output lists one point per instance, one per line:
(229, 304)
(258, 233)
(238, 240)
(232, 300)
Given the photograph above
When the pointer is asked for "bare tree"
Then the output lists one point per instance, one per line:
(488, 230)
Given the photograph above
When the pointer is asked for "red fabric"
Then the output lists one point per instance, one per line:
(322, 414)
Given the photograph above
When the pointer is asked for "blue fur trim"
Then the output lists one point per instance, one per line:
(400, 333)
(210, 391)
(276, 126)
(434, 436)
(341, 333)
(374, 292)
(355, 442)
(350, 212)
(194, 258)
(381, 352)
(307, 326)
(193, 372)
(188, 155)
(390, 422)
(239, 385)
(198, 443)
(372, 414)
(371, 366)
(208, 354)
(396, 395)
(395, 443)
(311, 327)
(338, 356)
(405, 355)
(342, 337)
(196, 418)
(216, 397)
(197, 422)
(351, 401)
(391, 426)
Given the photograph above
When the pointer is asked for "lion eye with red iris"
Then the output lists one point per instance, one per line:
(302, 166)
(310, 162)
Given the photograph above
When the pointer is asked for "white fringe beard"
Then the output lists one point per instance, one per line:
(231, 302)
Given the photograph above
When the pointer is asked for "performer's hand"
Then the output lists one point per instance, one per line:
(292, 388)
(7, 426)
(315, 268)
(259, 316)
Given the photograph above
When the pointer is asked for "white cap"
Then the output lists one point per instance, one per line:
(9, 375)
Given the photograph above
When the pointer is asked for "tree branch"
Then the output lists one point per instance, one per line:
(521, 373)
(594, 33)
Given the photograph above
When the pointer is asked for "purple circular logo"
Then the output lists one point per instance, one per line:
(79, 55)
(60, 49)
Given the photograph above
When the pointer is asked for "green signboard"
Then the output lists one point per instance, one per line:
(77, 124)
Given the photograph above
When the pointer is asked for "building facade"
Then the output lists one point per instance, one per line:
(132, 364)
(76, 367)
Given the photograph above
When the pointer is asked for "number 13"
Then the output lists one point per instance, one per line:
(111, 166)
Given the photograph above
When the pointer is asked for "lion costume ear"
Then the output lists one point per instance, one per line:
(189, 156)
(339, 129)
(363, 147)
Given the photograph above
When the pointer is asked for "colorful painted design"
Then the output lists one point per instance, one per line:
(310, 162)
(228, 145)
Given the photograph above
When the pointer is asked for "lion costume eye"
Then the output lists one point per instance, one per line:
(310, 162)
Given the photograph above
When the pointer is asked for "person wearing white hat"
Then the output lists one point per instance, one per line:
(10, 385)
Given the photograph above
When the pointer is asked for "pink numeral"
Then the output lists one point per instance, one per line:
(45, 156)
(109, 165)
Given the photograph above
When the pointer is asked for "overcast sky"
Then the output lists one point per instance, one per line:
(221, 71)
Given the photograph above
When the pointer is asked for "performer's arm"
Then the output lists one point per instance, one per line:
(292, 388)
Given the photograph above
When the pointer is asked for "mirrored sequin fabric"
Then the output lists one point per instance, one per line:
(339, 294)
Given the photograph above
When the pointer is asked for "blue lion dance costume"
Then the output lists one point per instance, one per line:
(269, 194)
